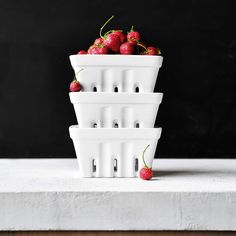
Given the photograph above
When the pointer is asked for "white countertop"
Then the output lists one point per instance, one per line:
(47, 194)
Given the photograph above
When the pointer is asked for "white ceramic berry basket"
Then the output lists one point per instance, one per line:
(117, 73)
(113, 152)
(116, 110)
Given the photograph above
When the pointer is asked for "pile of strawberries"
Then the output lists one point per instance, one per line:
(116, 42)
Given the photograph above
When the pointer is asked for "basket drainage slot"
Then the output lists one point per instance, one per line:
(95, 89)
(94, 165)
(137, 89)
(137, 125)
(95, 125)
(116, 89)
(115, 125)
(136, 164)
(115, 165)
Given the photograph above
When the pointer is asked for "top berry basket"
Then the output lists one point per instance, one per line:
(117, 73)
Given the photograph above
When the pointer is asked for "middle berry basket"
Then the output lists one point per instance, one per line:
(115, 110)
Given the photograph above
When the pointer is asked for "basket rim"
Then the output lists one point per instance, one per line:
(116, 60)
(100, 134)
(115, 98)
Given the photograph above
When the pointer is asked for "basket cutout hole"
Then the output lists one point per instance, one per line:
(116, 89)
(137, 89)
(137, 124)
(95, 89)
(136, 164)
(94, 167)
(115, 165)
(94, 125)
(115, 124)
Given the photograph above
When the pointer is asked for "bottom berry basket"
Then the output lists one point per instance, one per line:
(110, 152)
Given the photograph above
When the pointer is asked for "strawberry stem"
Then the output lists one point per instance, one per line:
(108, 32)
(77, 74)
(105, 25)
(145, 164)
(111, 31)
(139, 44)
(131, 29)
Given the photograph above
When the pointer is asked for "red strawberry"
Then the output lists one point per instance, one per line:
(98, 49)
(152, 51)
(145, 173)
(75, 86)
(104, 50)
(82, 52)
(133, 36)
(92, 49)
(120, 34)
(98, 41)
(126, 48)
(113, 42)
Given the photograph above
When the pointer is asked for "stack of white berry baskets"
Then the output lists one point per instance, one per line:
(115, 106)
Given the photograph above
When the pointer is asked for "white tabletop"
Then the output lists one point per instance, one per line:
(47, 194)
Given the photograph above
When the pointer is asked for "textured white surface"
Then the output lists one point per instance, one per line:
(124, 73)
(184, 195)
(109, 109)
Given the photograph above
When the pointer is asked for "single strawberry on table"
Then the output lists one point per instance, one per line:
(145, 173)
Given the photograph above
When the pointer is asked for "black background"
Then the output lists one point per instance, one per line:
(198, 41)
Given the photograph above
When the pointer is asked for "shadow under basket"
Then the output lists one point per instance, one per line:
(112, 152)
(116, 110)
(117, 73)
